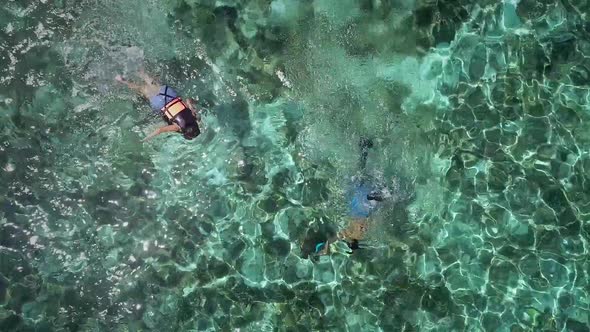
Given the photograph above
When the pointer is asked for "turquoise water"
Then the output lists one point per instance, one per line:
(481, 126)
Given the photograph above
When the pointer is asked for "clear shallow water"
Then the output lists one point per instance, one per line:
(478, 111)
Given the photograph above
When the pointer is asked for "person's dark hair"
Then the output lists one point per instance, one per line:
(191, 132)
(314, 237)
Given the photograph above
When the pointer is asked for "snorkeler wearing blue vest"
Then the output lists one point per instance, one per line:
(364, 197)
(180, 116)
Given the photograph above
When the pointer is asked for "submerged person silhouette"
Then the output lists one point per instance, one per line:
(180, 116)
(364, 197)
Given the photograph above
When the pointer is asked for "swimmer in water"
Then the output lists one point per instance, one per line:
(180, 116)
(364, 198)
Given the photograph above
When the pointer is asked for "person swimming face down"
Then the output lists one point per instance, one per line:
(180, 116)
(363, 198)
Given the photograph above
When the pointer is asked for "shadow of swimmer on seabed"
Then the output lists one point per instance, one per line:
(181, 116)
(364, 198)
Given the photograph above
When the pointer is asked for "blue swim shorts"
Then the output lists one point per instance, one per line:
(166, 95)
(360, 206)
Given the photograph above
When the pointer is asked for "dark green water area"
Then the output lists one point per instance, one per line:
(478, 110)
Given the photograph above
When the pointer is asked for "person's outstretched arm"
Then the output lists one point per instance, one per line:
(166, 129)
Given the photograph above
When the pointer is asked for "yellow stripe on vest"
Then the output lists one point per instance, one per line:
(174, 107)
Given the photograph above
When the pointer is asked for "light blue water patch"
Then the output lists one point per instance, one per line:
(285, 11)
(510, 18)
(337, 11)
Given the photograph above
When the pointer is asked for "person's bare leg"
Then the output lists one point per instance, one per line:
(130, 85)
(151, 87)
(145, 90)
(146, 78)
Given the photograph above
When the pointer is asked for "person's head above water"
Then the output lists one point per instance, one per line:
(191, 132)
